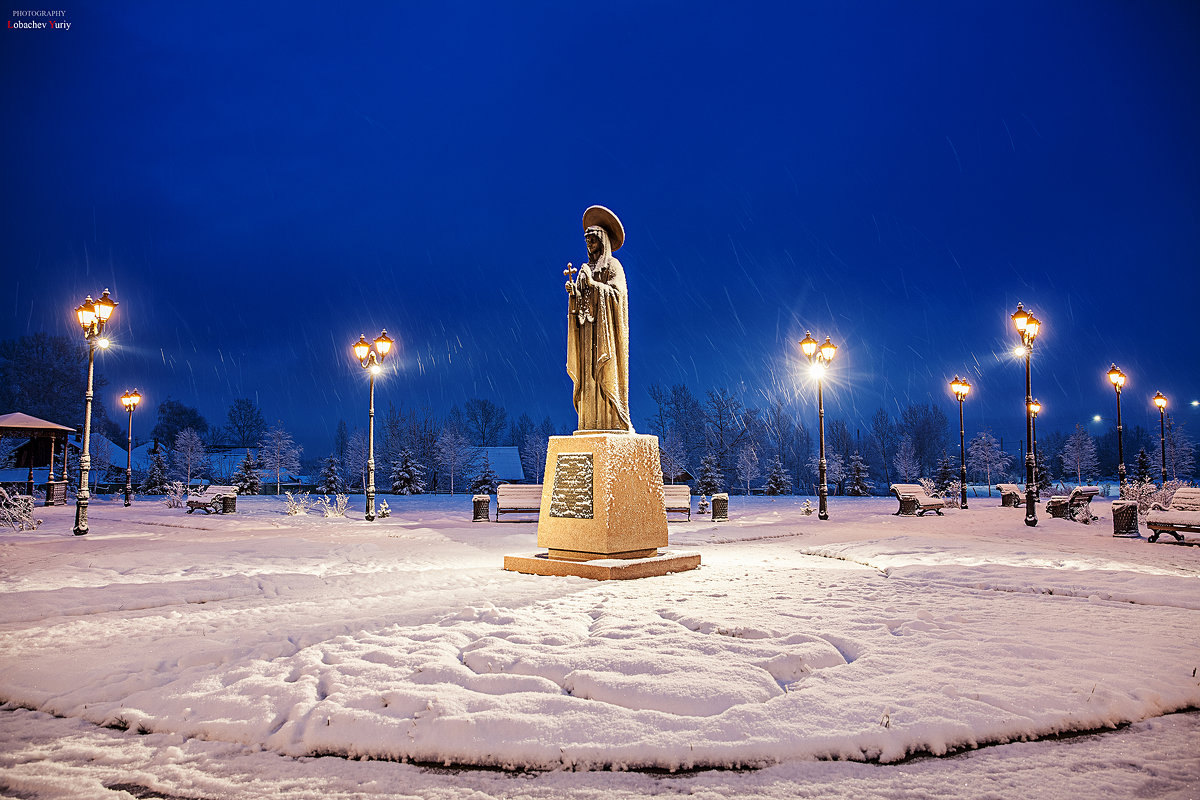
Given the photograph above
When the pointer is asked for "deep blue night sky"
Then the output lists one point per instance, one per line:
(257, 188)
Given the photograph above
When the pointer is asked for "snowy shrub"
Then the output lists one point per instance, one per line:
(16, 511)
(1146, 494)
(953, 494)
(383, 511)
(335, 509)
(176, 494)
(296, 504)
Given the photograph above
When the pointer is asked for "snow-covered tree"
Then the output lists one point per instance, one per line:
(858, 481)
(245, 424)
(778, 479)
(157, 480)
(1141, 472)
(747, 465)
(533, 455)
(357, 450)
(944, 476)
(906, 463)
(101, 452)
(16, 511)
(1079, 454)
(408, 476)
(711, 478)
(672, 457)
(246, 478)
(985, 458)
(330, 479)
(485, 482)
(189, 455)
(279, 453)
(455, 454)
(1180, 451)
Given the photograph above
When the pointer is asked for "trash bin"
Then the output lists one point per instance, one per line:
(1125, 518)
(482, 504)
(229, 504)
(720, 507)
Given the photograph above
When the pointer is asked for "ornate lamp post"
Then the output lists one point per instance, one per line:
(92, 316)
(370, 359)
(130, 401)
(1160, 400)
(1117, 378)
(1027, 326)
(819, 357)
(961, 389)
(1035, 408)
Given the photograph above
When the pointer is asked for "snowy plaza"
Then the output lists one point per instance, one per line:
(260, 654)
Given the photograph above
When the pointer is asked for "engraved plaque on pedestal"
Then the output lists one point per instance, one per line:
(571, 495)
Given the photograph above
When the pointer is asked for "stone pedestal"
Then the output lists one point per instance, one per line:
(602, 500)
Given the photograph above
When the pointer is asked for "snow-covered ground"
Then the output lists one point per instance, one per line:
(185, 656)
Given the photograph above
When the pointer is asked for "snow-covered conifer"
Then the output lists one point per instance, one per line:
(905, 462)
(711, 478)
(747, 465)
(858, 484)
(1079, 454)
(330, 479)
(485, 482)
(985, 458)
(189, 456)
(778, 479)
(246, 478)
(157, 481)
(408, 475)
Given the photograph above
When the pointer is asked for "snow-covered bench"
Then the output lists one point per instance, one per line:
(1181, 515)
(518, 498)
(678, 499)
(1011, 495)
(913, 500)
(211, 499)
(1076, 506)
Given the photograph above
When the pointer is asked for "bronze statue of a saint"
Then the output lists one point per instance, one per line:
(598, 327)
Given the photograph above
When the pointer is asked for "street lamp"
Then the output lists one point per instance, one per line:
(1027, 326)
(820, 357)
(1160, 400)
(130, 401)
(93, 316)
(961, 389)
(1117, 378)
(1034, 409)
(370, 358)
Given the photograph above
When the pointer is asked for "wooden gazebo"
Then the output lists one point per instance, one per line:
(17, 426)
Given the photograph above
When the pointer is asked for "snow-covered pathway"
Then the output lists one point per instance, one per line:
(865, 637)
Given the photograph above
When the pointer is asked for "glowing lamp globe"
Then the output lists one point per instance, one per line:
(105, 306)
(828, 350)
(1020, 318)
(1035, 407)
(808, 345)
(383, 345)
(361, 347)
(1160, 400)
(86, 313)
(1116, 377)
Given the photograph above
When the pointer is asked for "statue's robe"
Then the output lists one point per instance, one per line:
(598, 351)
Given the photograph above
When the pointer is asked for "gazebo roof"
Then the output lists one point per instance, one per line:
(18, 424)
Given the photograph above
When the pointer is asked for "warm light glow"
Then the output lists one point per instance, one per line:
(86, 313)
(361, 347)
(376, 369)
(131, 399)
(1035, 407)
(1031, 327)
(808, 345)
(828, 350)
(383, 345)
(960, 387)
(1116, 377)
(1195, 403)
(1020, 318)
(1019, 351)
(105, 306)
(1160, 400)
(103, 343)
(817, 370)
(1096, 418)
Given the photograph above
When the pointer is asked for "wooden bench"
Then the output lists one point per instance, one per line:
(678, 499)
(1076, 506)
(1011, 495)
(913, 500)
(1181, 515)
(518, 498)
(211, 499)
